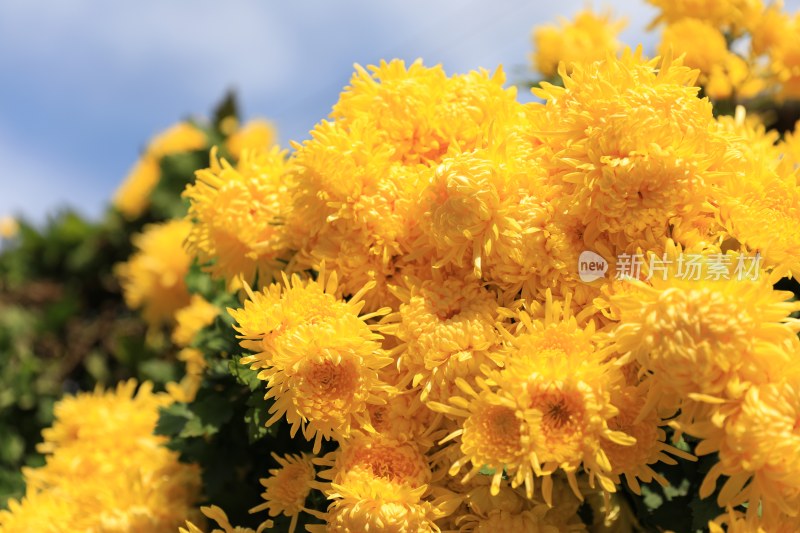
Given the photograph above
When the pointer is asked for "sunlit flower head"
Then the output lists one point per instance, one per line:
(588, 38)
(366, 503)
(152, 279)
(403, 417)
(287, 487)
(402, 463)
(238, 216)
(420, 111)
(758, 443)
(630, 143)
(702, 44)
(761, 209)
(318, 356)
(701, 336)
(561, 380)
(494, 437)
(446, 326)
(722, 72)
(774, 34)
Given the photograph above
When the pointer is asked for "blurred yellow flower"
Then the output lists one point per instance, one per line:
(727, 15)
(704, 47)
(588, 38)
(9, 227)
(105, 470)
(257, 136)
(152, 280)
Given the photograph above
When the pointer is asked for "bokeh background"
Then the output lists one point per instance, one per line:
(86, 83)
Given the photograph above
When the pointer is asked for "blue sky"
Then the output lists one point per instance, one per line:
(85, 83)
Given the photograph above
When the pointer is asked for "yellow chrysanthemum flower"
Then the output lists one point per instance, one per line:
(255, 136)
(382, 484)
(287, 487)
(446, 330)
(547, 409)
(152, 279)
(634, 462)
(494, 436)
(784, 55)
(105, 470)
(238, 216)
(404, 417)
(729, 15)
(317, 355)
(758, 441)
(562, 378)
(631, 145)
(705, 338)
(420, 111)
(360, 177)
(133, 196)
(703, 46)
(761, 209)
(588, 38)
(380, 457)
(375, 504)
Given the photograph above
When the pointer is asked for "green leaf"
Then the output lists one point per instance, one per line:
(256, 418)
(172, 419)
(245, 375)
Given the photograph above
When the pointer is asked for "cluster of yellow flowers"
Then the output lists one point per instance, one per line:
(742, 48)
(490, 310)
(421, 302)
(105, 471)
